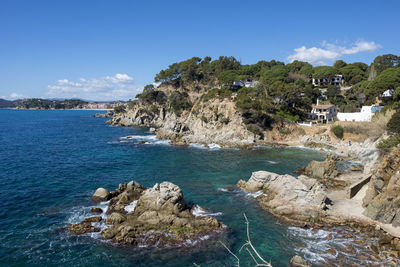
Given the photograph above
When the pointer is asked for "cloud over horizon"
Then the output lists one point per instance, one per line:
(329, 52)
(117, 87)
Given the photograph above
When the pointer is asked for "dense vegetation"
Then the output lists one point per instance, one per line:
(37, 103)
(283, 91)
(7, 104)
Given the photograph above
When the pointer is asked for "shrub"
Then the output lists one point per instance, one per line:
(220, 93)
(225, 120)
(179, 101)
(387, 144)
(132, 104)
(204, 119)
(338, 131)
(153, 96)
(393, 125)
(119, 109)
(154, 109)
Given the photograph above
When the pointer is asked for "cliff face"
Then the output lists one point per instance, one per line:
(382, 200)
(213, 121)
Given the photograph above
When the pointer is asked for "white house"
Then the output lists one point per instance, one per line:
(244, 83)
(335, 80)
(388, 93)
(323, 113)
(365, 115)
(250, 83)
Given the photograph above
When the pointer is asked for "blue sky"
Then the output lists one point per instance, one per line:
(107, 50)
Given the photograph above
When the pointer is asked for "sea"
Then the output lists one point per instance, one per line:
(52, 161)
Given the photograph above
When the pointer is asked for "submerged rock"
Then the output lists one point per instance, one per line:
(82, 228)
(157, 216)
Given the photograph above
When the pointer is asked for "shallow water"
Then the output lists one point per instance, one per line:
(52, 161)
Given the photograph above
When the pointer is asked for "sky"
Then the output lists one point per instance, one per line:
(108, 50)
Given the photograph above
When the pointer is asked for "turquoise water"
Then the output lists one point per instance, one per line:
(52, 161)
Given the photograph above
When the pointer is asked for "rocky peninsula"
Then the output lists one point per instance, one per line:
(151, 217)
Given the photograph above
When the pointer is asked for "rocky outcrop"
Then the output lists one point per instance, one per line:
(298, 261)
(382, 200)
(157, 216)
(85, 226)
(216, 121)
(322, 169)
(101, 194)
(301, 200)
(325, 172)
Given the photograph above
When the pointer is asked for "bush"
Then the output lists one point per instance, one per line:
(225, 120)
(153, 96)
(386, 145)
(119, 109)
(338, 131)
(393, 125)
(179, 101)
(220, 93)
(132, 104)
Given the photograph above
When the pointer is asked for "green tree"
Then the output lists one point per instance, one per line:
(386, 61)
(393, 125)
(339, 64)
(324, 72)
(388, 79)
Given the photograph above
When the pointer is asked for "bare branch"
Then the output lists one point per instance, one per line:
(233, 254)
(251, 244)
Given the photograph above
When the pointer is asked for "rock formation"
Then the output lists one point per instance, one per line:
(300, 200)
(157, 216)
(205, 123)
(298, 261)
(101, 194)
(382, 200)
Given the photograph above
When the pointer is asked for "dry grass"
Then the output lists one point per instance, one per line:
(373, 129)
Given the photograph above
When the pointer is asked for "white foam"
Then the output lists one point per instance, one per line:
(256, 194)
(196, 145)
(199, 211)
(223, 190)
(131, 207)
(148, 139)
(272, 162)
(214, 146)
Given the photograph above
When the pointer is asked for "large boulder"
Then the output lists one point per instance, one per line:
(284, 195)
(101, 194)
(298, 261)
(326, 169)
(165, 198)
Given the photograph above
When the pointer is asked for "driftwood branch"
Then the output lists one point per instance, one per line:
(233, 254)
(252, 249)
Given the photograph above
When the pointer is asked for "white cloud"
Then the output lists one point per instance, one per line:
(14, 96)
(117, 87)
(330, 52)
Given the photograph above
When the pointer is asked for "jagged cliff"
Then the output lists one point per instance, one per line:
(382, 201)
(213, 121)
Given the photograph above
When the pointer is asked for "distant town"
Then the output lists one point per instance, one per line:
(39, 103)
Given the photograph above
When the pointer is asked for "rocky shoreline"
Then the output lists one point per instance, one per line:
(150, 217)
(320, 198)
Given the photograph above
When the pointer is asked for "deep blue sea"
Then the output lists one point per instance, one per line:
(51, 162)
